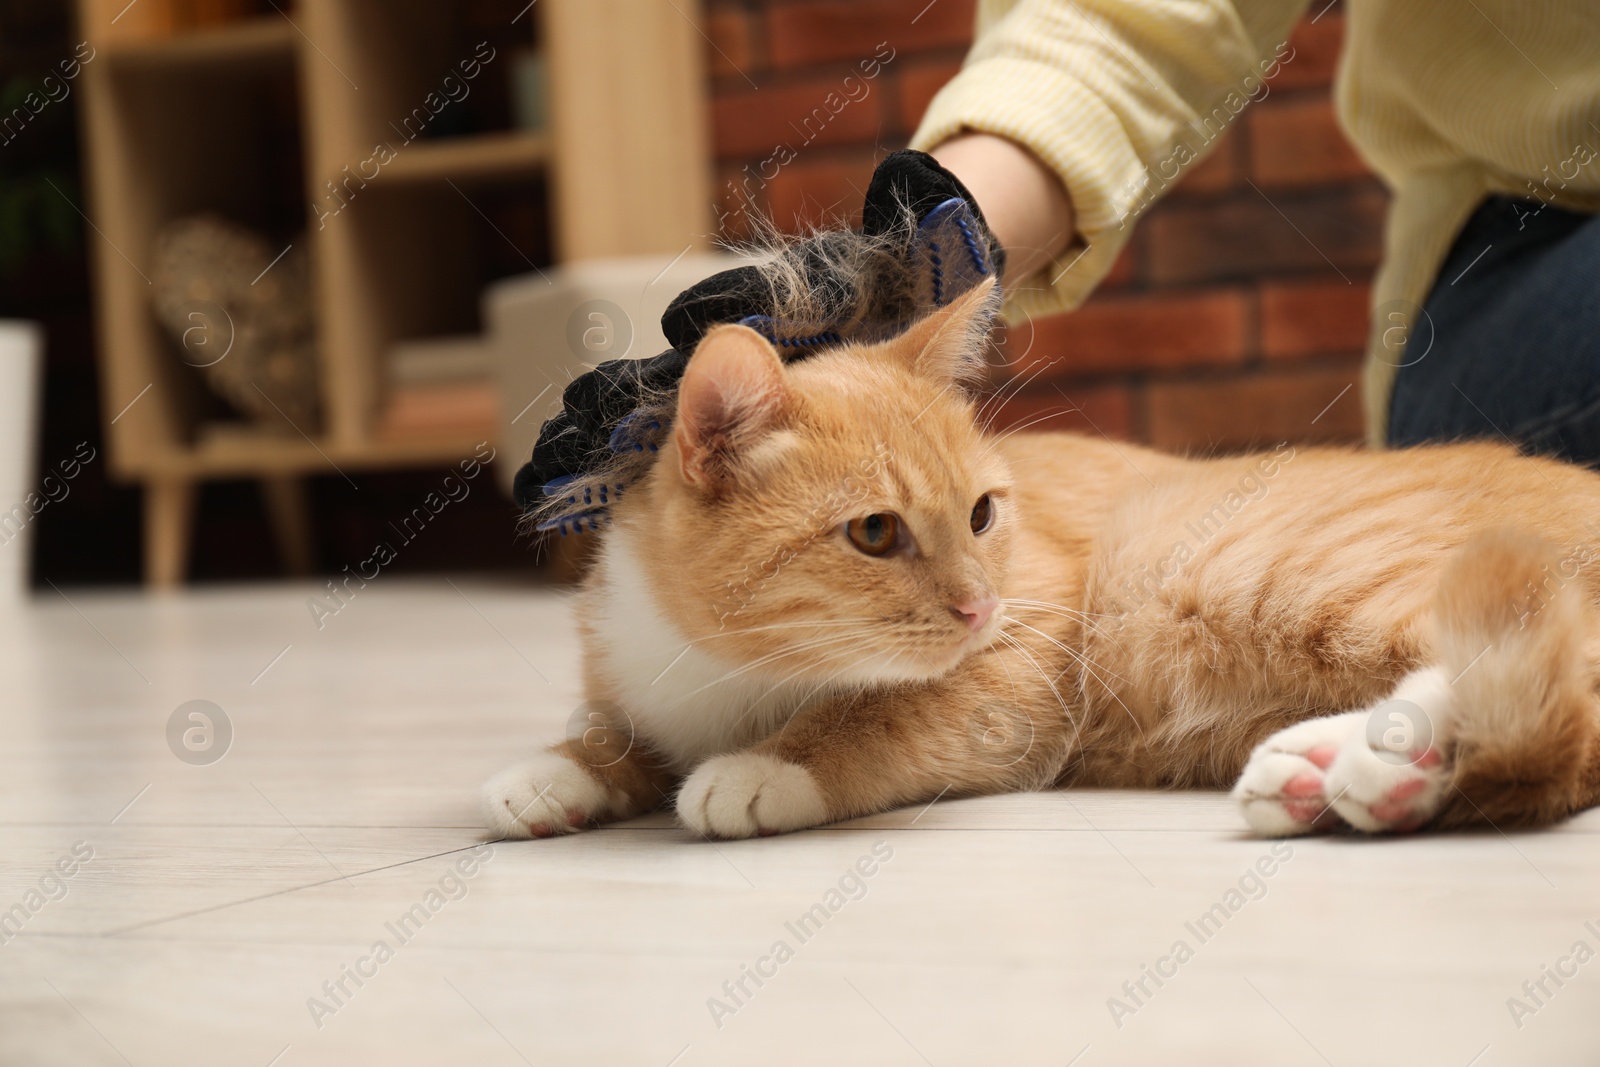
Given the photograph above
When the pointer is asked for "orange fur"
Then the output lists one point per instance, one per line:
(1160, 617)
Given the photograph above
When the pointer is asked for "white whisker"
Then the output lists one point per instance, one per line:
(1088, 666)
(779, 626)
(758, 629)
(1034, 663)
(1015, 386)
(780, 683)
(991, 442)
(805, 700)
(1016, 704)
(1074, 653)
(1060, 607)
(795, 650)
(1079, 617)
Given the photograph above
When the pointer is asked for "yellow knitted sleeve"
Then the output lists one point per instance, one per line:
(1118, 97)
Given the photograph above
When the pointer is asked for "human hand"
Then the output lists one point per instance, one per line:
(1027, 208)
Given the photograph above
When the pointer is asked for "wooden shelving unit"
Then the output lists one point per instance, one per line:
(254, 42)
(258, 121)
(487, 155)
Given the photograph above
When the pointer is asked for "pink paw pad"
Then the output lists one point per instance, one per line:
(1406, 790)
(1301, 796)
(576, 817)
(1303, 785)
(1306, 811)
(1429, 759)
(1395, 803)
(1322, 756)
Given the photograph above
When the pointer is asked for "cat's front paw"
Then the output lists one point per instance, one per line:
(1380, 770)
(542, 797)
(746, 793)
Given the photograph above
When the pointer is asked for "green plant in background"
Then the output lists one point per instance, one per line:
(37, 176)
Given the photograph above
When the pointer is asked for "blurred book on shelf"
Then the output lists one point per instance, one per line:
(439, 385)
(440, 359)
(529, 110)
(439, 409)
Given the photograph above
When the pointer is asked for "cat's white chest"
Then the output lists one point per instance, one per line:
(685, 702)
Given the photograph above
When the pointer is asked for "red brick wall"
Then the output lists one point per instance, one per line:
(1235, 317)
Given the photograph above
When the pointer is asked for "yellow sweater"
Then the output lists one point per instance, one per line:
(1447, 100)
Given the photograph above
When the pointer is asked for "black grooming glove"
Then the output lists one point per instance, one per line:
(906, 182)
(621, 409)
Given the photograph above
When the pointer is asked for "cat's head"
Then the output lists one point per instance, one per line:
(839, 517)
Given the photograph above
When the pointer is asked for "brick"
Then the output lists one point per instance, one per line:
(1249, 234)
(1102, 409)
(822, 31)
(736, 202)
(818, 191)
(1216, 173)
(809, 114)
(1298, 143)
(1125, 270)
(1300, 319)
(919, 82)
(730, 48)
(1316, 52)
(1240, 413)
(1125, 333)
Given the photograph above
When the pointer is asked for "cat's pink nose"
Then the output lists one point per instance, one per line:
(975, 612)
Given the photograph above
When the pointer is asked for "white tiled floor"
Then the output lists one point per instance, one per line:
(222, 897)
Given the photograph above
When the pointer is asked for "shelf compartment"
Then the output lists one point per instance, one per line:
(474, 157)
(251, 43)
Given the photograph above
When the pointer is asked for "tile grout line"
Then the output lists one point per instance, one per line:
(116, 931)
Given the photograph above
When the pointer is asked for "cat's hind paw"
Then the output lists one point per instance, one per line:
(1283, 789)
(1387, 776)
(747, 793)
(542, 797)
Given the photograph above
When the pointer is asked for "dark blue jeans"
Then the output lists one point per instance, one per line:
(1508, 345)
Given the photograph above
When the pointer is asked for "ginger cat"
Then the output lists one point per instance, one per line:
(836, 594)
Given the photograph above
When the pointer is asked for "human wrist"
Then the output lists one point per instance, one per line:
(1026, 206)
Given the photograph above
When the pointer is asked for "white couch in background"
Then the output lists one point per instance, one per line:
(546, 329)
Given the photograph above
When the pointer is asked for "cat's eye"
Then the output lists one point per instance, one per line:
(874, 534)
(982, 514)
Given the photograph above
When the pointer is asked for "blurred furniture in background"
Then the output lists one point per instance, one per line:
(543, 332)
(21, 349)
(544, 335)
(381, 133)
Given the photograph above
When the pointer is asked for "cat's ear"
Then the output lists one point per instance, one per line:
(732, 395)
(948, 343)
